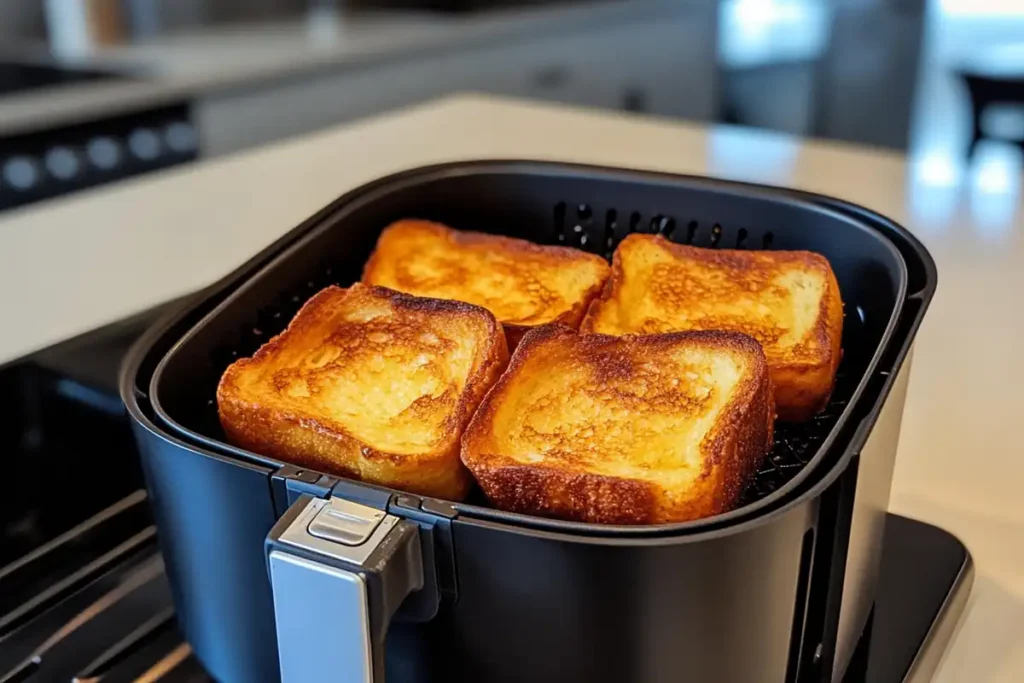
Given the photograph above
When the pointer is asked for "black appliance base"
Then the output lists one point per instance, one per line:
(926, 579)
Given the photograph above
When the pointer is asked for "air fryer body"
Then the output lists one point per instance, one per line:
(544, 607)
(530, 606)
(779, 593)
(212, 516)
(874, 469)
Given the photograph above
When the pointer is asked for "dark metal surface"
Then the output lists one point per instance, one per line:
(926, 578)
(83, 596)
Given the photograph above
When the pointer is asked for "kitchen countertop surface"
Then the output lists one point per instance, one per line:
(77, 262)
(228, 57)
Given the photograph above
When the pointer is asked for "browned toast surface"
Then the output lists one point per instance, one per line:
(522, 283)
(787, 300)
(624, 430)
(368, 383)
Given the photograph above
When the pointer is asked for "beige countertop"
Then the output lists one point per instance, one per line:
(194, 63)
(75, 263)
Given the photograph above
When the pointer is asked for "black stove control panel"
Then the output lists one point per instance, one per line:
(58, 161)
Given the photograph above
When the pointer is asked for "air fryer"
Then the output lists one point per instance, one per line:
(282, 573)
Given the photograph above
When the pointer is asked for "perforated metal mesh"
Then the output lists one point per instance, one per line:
(797, 443)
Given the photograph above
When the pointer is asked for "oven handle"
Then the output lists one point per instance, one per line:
(338, 572)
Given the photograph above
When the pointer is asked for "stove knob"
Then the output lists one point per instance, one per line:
(181, 137)
(104, 153)
(144, 144)
(21, 172)
(62, 163)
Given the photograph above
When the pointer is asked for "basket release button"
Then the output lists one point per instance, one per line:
(345, 522)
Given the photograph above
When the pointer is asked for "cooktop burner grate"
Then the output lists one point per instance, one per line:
(93, 605)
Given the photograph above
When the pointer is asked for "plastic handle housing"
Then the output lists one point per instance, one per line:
(338, 571)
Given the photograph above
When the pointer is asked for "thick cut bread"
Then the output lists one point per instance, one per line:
(371, 384)
(623, 430)
(522, 283)
(786, 300)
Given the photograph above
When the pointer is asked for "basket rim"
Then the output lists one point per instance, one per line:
(861, 408)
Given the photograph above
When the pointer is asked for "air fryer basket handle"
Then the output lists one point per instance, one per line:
(338, 571)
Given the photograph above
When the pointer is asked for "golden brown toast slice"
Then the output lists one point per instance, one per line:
(787, 300)
(623, 430)
(522, 283)
(370, 384)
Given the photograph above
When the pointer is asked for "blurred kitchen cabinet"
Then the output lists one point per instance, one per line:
(778, 96)
(866, 80)
(663, 66)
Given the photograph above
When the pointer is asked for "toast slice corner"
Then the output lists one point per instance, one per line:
(370, 384)
(789, 301)
(522, 283)
(623, 430)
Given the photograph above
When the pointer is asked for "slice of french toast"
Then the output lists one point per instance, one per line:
(623, 430)
(371, 384)
(787, 300)
(522, 283)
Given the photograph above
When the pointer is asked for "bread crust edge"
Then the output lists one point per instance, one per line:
(304, 441)
(735, 450)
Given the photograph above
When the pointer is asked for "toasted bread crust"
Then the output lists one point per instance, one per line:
(805, 388)
(256, 414)
(731, 451)
(803, 374)
(550, 283)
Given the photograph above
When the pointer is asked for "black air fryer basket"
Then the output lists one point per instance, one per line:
(778, 590)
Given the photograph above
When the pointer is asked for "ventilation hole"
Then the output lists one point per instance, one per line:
(583, 212)
(577, 228)
(610, 225)
(560, 221)
(634, 221)
(716, 234)
(583, 241)
(662, 225)
(311, 285)
(741, 237)
(766, 241)
(691, 231)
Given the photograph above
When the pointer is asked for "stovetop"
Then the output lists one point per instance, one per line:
(83, 595)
